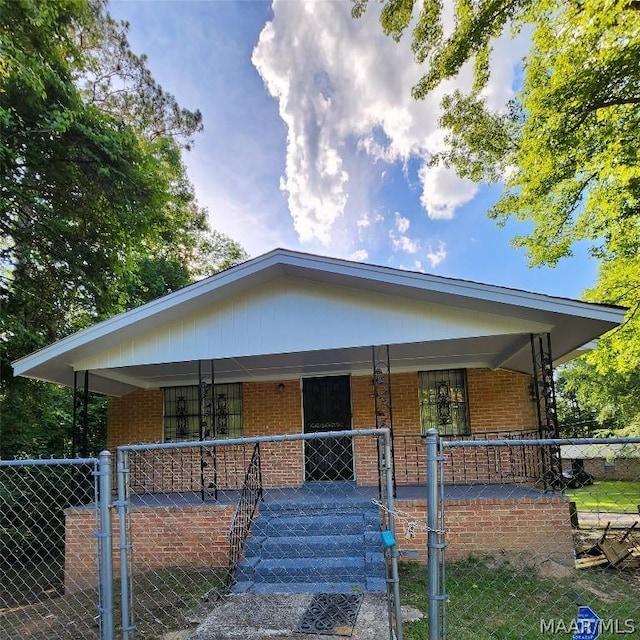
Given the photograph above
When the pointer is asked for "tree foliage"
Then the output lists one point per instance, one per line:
(118, 82)
(97, 213)
(564, 148)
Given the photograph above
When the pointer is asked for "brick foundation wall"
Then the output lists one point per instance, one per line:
(80, 549)
(537, 526)
(196, 536)
(188, 537)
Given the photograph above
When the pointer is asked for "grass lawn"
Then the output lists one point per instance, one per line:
(607, 495)
(492, 599)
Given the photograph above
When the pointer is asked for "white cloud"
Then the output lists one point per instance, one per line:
(360, 255)
(364, 220)
(344, 93)
(404, 243)
(402, 223)
(435, 257)
(443, 192)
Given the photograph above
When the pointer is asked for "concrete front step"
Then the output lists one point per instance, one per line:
(337, 569)
(315, 546)
(325, 504)
(315, 525)
(370, 584)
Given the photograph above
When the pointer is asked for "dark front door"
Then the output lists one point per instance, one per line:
(327, 407)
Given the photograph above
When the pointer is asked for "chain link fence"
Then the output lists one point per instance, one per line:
(296, 515)
(552, 553)
(39, 500)
(541, 539)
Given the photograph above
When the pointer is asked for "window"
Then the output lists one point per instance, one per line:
(443, 402)
(221, 412)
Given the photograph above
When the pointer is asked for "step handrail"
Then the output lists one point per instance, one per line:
(250, 496)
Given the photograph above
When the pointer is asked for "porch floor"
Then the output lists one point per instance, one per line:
(328, 492)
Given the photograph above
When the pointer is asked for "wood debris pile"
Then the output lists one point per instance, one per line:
(621, 551)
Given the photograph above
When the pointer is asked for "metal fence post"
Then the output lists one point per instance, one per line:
(122, 504)
(105, 545)
(394, 550)
(433, 546)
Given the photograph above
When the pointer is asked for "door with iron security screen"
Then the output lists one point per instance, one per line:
(327, 407)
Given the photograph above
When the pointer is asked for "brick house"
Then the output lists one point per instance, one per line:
(290, 342)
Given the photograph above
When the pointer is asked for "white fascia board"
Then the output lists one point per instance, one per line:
(458, 288)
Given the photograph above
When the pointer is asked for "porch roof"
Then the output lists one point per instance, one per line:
(285, 314)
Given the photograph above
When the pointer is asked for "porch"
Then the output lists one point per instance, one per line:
(289, 346)
(179, 530)
(197, 527)
(334, 491)
(479, 518)
(216, 472)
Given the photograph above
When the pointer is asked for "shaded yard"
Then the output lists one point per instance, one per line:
(164, 600)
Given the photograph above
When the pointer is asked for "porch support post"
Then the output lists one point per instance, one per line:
(206, 422)
(79, 441)
(213, 417)
(547, 412)
(545, 391)
(383, 405)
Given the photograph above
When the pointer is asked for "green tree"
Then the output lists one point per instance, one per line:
(95, 203)
(564, 149)
(118, 81)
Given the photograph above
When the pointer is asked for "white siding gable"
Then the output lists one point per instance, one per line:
(289, 315)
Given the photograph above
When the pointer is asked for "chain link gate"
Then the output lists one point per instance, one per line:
(271, 531)
(529, 557)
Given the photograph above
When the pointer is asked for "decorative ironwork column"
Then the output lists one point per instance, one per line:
(206, 421)
(383, 405)
(80, 425)
(547, 412)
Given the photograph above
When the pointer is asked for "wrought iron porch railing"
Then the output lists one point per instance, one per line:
(207, 470)
(517, 464)
(250, 496)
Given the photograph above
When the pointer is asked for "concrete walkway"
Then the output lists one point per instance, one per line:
(250, 616)
(587, 519)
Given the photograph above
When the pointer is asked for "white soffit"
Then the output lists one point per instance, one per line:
(445, 354)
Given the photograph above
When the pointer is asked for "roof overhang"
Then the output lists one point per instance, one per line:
(478, 325)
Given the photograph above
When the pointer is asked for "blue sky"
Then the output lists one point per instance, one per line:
(312, 140)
